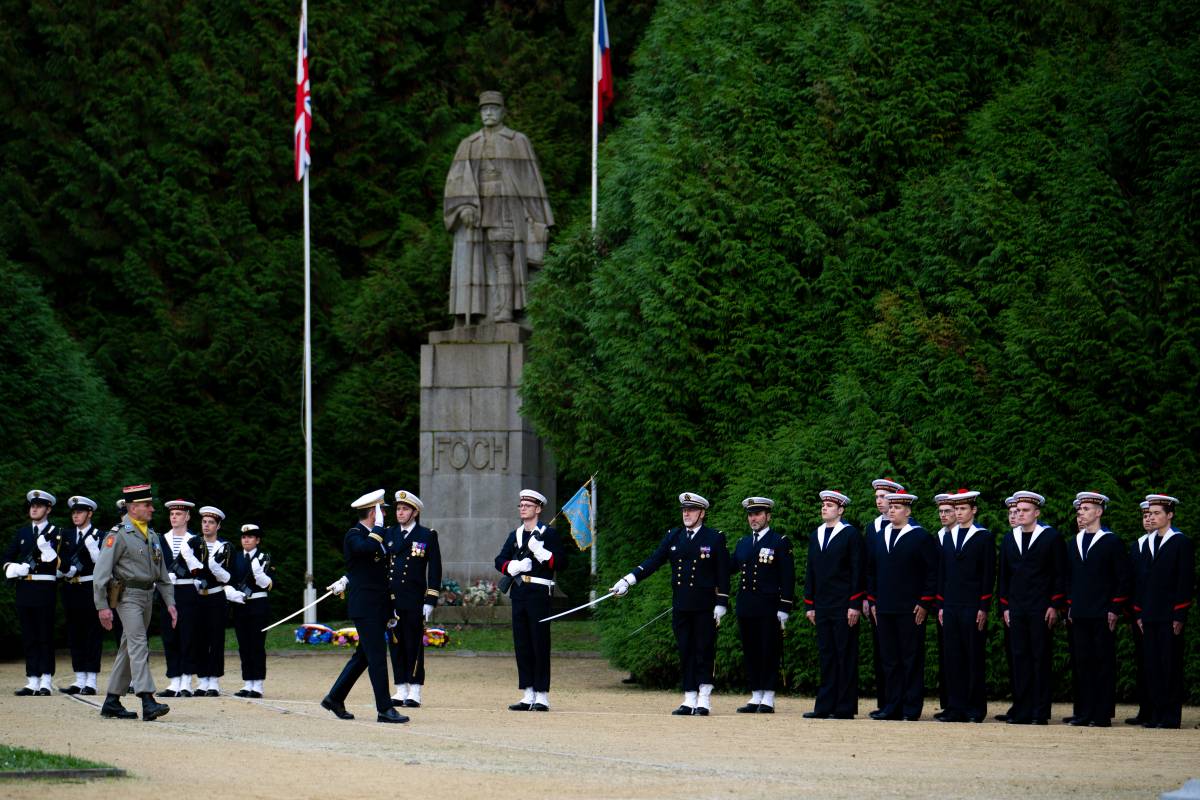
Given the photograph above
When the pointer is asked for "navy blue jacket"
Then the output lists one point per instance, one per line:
(241, 577)
(768, 571)
(512, 551)
(366, 568)
(1169, 577)
(835, 579)
(1100, 584)
(1036, 579)
(73, 552)
(414, 567)
(699, 568)
(967, 576)
(22, 548)
(905, 577)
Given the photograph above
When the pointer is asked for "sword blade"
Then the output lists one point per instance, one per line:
(660, 615)
(579, 608)
(294, 613)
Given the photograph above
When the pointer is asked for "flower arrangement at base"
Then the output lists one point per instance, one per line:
(314, 633)
(344, 637)
(451, 593)
(482, 593)
(435, 637)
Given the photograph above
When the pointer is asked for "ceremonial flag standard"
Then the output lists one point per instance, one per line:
(578, 512)
(303, 98)
(603, 71)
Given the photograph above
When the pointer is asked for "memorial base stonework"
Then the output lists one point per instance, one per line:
(477, 452)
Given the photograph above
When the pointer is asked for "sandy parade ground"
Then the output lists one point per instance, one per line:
(602, 739)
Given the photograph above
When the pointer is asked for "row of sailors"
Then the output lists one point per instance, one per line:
(207, 574)
(897, 574)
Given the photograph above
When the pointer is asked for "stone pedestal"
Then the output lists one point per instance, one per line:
(477, 452)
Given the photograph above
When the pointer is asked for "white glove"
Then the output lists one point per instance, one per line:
(427, 610)
(539, 550)
(260, 576)
(189, 557)
(16, 570)
(93, 547)
(71, 572)
(43, 544)
(338, 586)
(622, 586)
(782, 617)
(233, 595)
(718, 612)
(515, 568)
(214, 566)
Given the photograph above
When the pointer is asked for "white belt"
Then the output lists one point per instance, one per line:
(256, 595)
(40, 578)
(206, 592)
(531, 579)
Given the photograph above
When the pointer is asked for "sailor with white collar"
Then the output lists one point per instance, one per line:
(213, 590)
(31, 560)
(251, 573)
(872, 532)
(80, 549)
(945, 512)
(414, 582)
(1033, 591)
(1164, 600)
(179, 643)
(1098, 588)
(531, 555)
(1139, 562)
(834, 587)
(966, 582)
(764, 600)
(699, 597)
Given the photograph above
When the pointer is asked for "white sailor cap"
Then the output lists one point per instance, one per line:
(369, 500)
(410, 499)
(1010, 501)
(835, 496)
(212, 511)
(752, 504)
(692, 500)
(79, 501)
(1028, 497)
(963, 496)
(184, 504)
(900, 497)
(38, 496)
(1089, 497)
(250, 529)
(886, 483)
(1144, 505)
(938, 499)
(121, 504)
(533, 495)
(1163, 500)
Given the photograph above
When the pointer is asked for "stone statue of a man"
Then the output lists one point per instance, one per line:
(497, 210)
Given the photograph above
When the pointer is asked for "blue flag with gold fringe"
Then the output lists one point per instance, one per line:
(578, 512)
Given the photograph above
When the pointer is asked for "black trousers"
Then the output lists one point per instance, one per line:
(179, 643)
(248, 623)
(210, 635)
(37, 638)
(84, 634)
(1163, 652)
(1143, 712)
(762, 641)
(696, 638)
(408, 646)
(1095, 663)
(902, 648)
(531, 640)
(369, 656)
(877, 664)
(1029, 658)
(943, 695)
(964, 663)
(837, 652)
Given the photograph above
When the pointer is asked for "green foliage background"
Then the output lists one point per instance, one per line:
(955, 243)
(951, 242)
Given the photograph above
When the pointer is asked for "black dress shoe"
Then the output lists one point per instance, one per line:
(254, 694)
(43, 692)
(212, 693)
(1100, 723)
(168, 693)
(1078, 722)
(877, 714)
(1041, 722)
(536, 707)
(939, 716)
(1134, 721)
(1151, 725)
(976, 720)
(112, 709)
(749, 708)
(25, 691)
(1015, 721)
(766, 709)
(912, 719)
(338, 709)
(72, 689)
(683, 711)
(841, 716)
(242, 693)
(151, 708)
(87, 690)
(701, 711)
(185, 693)
(949, 717)
(813, 715)
(410, 703)
(1002, 718)
(391, 715)
(1068, 720)
(520, 706)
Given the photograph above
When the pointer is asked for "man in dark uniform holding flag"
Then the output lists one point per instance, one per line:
(414, 583)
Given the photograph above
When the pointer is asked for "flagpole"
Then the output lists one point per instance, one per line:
(310, 591)
(593, 523)
(595, 98)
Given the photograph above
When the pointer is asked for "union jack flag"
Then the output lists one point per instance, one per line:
(303, 99)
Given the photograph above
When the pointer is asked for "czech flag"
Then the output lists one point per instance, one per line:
(603, 67)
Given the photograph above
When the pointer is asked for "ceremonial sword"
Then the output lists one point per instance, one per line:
(577, 608)
(301, 611)
(661, 614)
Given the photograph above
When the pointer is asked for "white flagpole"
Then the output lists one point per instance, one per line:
(310, 591)
(595, 98)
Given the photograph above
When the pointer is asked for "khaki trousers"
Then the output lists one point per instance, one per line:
(133, 656)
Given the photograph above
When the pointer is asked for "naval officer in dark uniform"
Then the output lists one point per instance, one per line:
(531, 554)
(873, 532)
(32, 561)
(80, 549)
(699, 597)
(414, 581)
(765, 598)
(834, 588)
(251, 573)
(369, 608)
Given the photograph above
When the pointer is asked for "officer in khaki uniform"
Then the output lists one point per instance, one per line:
(130, 566)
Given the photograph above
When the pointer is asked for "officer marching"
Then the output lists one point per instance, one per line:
(80, 549)
(414, 580)
(250, 573)
(130, 567)
(699, 597)
(32, 561)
